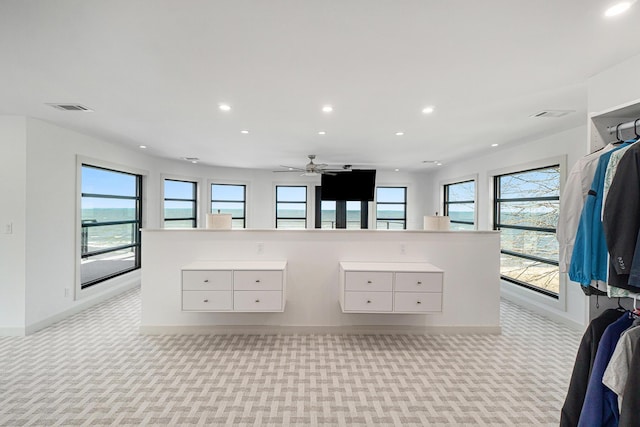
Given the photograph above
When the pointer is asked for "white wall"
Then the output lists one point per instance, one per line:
(615, 87)
(12, 212)
(39, 189)
(571, 143)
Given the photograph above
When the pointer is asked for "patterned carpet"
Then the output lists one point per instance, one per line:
(95, 369)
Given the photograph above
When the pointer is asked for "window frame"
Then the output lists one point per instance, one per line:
(445, 203)
(124, 276)
(243, 202)
(341, 212)
(306, 205)
(195, 201)
(404, 203)
(496, 225)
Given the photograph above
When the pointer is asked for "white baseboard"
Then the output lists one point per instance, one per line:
(541, 309)
(290, 330)
(12, 332)
(82, 305)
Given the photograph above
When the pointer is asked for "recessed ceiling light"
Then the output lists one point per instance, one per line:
(428, 110)
(396, 170)
(399, 133)
(244, 131)
(618, 8)
(327, 109)
(494, 145)
(322, 132)
(143, 146)
(194, 161)
(438, 164)
(224, 107)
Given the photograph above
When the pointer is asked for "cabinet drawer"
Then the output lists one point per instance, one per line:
(368, 301)
(368, 281)
(412, 302)
(207, 300)
(215, 280)
(258, 280)
(257, 300)
(419, 282)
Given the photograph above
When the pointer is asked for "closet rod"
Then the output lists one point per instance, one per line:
(623, 126)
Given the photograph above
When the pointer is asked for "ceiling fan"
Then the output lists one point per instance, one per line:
(314, 169)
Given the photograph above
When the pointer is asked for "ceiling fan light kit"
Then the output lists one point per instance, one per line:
(315, 169)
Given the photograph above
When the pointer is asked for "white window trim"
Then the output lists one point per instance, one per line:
(472, 177)
(124, 279)
(247, 193)
(511, 289)
(198, 181)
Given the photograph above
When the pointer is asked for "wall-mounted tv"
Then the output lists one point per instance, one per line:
(357, 185)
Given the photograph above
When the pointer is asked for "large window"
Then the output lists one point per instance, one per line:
(180, 204)
(347, 214)
(391, 208)
(291, 207)
(526, 211)
(459, 204)
(111, 212)
(230, 199)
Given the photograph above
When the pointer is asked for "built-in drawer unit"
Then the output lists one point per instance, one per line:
(207, 300)
(213, 280)
(259, 280)
(417, 302)
(368, 281)
(234, 286)
(257, 300)
(378, 287)
(368, 301)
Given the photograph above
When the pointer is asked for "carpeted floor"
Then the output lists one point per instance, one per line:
(95, 369)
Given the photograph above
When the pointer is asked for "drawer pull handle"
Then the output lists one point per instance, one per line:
(206, 280)
(419, 283)
(368, 301)
(206, 300)
(257, 280)
(419, 302)
(369, 281)
(257, 300)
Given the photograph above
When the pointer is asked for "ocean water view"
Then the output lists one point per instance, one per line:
(542, 245)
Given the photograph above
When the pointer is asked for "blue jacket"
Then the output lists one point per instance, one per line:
(589, 258)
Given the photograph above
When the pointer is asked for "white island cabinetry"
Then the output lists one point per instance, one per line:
(379, 287)
(228, 281)
(234, 286)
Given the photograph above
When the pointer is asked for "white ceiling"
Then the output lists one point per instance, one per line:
(155, 71)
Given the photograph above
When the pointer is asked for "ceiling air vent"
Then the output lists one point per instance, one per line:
(553, 114)
(71, 107)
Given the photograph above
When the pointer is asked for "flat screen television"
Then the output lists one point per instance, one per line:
(357, 185)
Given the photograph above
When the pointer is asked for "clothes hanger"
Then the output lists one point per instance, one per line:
(618, 139)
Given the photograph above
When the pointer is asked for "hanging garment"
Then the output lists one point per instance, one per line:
(589, 258)
(601, 404)
(614, 160)
(612, 167)
(630, 410)
(572, 201)
(617, 372)
(621, 219)
(583, 366)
